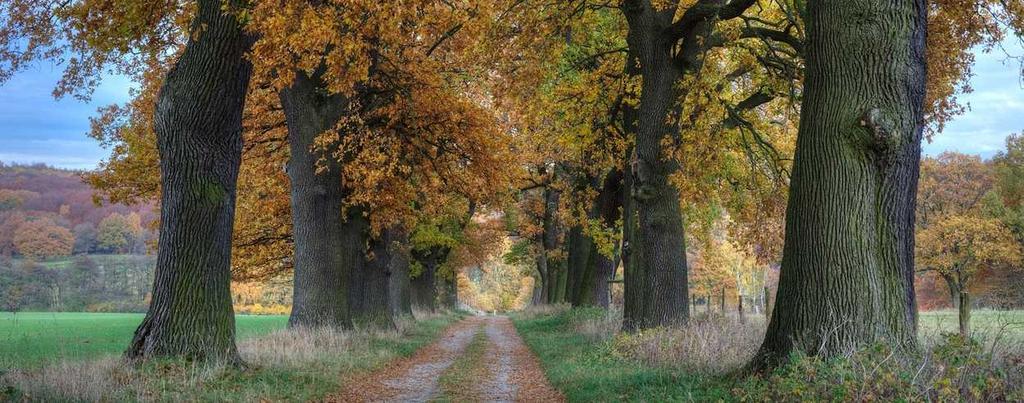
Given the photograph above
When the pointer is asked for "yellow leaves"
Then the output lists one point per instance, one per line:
(962, 245)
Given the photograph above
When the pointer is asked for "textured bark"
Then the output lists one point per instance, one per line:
(848, 260)
(399, 293)
(579, 265)
(372, 302)
(965, 313)
(593, 289)
(550, 242)
(543, 279)
(424, 286)
(659, 257)
(317, 200)
(198, 124)
(449, 292)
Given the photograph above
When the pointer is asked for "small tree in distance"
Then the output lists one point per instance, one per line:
(959, 248)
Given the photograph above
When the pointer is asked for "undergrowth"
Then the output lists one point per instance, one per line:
(586, 357)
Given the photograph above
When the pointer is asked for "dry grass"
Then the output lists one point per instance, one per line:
(535, 311)
(300, 353)
(707, 344)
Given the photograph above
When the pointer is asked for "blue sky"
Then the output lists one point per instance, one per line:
(34, 127)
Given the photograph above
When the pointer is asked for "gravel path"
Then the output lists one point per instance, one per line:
(512, 373)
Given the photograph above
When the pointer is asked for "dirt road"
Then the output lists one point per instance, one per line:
(481, 359)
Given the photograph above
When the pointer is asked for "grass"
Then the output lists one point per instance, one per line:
(986, 323)
(585, 367)
(283, 365)
(458, 380)
(35, 339)
(585, 358)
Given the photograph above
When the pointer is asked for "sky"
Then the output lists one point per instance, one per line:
(34, 127)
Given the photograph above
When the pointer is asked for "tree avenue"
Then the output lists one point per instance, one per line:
(378, 153)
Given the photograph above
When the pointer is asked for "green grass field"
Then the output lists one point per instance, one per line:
(33, 339)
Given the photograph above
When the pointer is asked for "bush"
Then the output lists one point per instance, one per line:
(954, 369)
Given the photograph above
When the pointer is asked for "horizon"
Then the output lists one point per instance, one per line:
(41, 129)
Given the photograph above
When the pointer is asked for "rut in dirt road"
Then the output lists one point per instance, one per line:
(480, 359)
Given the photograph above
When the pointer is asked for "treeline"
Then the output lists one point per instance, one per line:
(82, 284)
(48, 213)
(365, 156)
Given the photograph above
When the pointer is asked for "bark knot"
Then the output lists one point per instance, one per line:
(884, 137)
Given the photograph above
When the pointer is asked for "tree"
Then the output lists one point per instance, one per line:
(848, 263)
(41, 239)
(85, 237)
(114, 234)
(198, 125)
(960, 248)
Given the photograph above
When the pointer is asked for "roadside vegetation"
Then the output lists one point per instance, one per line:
(282, 365)
(586, 358)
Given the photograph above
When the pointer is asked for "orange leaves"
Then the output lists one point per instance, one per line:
(960, 246)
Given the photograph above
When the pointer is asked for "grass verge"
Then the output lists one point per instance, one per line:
(458, 382)
(586, 368)
(588, 360)
(285, 365)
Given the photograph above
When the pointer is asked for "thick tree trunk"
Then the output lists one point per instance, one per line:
(399, 293)
(580, 266)
(661, 254)
(321, 274)
(848, 260)
(550, 242)
(543, 279)
(368, 299)
(593, 289)
(450, 292)
(198, 124)
(424, 286)
(965, 313)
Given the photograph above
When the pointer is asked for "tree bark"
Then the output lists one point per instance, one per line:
(550, 242)
(965, 313)
(424, 286)
(371, 301)
(321, 274)
(661, 252)
(198, 125)
(399, 293)
(848, 259)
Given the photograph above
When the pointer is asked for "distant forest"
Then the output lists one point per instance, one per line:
(64, 249)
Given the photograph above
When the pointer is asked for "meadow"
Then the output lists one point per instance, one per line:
(34, 339)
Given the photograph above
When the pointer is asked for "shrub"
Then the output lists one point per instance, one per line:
(954, 369)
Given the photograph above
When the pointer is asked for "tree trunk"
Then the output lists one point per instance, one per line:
(544, 279)
(965, 313)
(848, 260)
(399, 293)
(368, 299)
(549, 243)
(450, 292)
(577, 265)
(424, 285)
(661, 255)
(739, 306)
(198, 125)
(601, 269)
(321, 274)
(767, 302)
